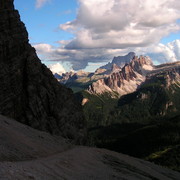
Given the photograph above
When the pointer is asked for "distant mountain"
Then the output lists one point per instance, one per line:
(81, 80)
(116, 81)
(125, 80)
(119, 61)
(158, 95)
(115, 68)
(158, 89)
(143, 123)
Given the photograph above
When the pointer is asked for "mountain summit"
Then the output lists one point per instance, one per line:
(119, 61)
(126, 80)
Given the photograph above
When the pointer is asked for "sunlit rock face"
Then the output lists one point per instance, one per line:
(129, 78)
(125, 80)
(29, 92)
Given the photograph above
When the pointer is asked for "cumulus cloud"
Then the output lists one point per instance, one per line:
(164, 53)
(107, 28)
(122, 23)
(40, 3)
(80, 58)
(175, 47)
(57, 68)
(43, 48)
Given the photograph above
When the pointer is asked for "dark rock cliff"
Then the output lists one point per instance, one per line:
(29, 92)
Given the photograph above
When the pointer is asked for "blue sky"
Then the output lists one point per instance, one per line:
(85, 34)
(171, 37)
(42, 23)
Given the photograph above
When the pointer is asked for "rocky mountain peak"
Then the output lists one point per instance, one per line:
(125, 80)
(29, 92)
(122, 60)
(119, 61)
(141, 64)
(115, 68)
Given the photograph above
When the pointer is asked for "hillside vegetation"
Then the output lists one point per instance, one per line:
(145, 123)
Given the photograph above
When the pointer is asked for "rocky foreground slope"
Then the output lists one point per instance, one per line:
(28, 91)
(26, 153)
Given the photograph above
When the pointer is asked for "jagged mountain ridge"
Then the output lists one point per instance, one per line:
(119, 61)
(126, 80)
(29, 92)
(159, 93)
(116, 80)
(81, 80)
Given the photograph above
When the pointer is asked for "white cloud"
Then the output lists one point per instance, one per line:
(57, 68)
(175, 47)
(42, 48)
(164, 53)
(122, 23)
(80, 58)
(40, 3)
(107, 28)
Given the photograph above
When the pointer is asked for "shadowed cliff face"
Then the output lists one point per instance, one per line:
(29, 92)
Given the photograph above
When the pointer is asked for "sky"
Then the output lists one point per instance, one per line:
(85, 34)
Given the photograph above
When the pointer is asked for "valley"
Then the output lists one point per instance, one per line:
(141, 119)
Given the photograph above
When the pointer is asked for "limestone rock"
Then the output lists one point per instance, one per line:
(125, 80)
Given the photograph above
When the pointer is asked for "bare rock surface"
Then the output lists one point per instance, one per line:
(27, 154)
(130, 77)
(19, 142)
(119, 61)
(29, 92)
(126, 80)
(100, 73)
(85, 163)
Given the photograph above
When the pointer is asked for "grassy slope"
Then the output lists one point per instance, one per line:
(168, 157)
(97, 110)
(142, 141)
(78, 86)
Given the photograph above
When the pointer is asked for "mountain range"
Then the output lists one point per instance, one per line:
(82, 80)
(124, 75)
